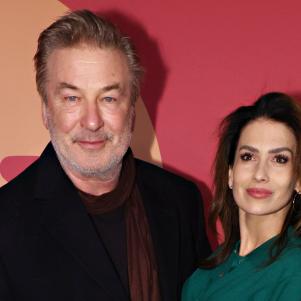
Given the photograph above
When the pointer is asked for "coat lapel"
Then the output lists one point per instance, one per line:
(165, 233)
(65, 217)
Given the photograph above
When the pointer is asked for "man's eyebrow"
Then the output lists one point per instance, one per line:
(111, 87)
(64, 85)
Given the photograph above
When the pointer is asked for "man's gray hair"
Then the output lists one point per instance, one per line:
(84, 27)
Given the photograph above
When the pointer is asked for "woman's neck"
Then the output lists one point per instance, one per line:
(257, 229)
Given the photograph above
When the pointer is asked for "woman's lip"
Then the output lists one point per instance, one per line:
(259, 193)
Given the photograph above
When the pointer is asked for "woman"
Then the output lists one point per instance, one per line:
(257, 199)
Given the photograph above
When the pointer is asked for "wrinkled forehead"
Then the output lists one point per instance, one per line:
(86, 53)
(88, 66)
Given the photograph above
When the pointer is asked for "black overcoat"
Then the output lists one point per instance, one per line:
(49, 250)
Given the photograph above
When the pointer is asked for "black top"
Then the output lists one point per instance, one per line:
(111, 230)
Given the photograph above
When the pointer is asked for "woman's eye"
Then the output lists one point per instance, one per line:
(282, 159)
(246, 156)
(71, 98)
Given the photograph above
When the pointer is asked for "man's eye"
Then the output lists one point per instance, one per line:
(109, 99)
(246, 156)
(281, 159)
(71, 98)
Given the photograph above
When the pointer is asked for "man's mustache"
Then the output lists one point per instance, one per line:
(88, 136)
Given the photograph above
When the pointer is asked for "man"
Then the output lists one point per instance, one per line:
(87, 221)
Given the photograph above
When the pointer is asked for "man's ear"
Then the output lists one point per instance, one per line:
(230, 177)
(44, 114)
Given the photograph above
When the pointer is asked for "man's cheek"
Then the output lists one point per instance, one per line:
(67, 122)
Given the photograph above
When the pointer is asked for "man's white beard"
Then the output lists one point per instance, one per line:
(104, 172)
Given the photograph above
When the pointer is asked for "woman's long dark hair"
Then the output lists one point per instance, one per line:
(274, 106)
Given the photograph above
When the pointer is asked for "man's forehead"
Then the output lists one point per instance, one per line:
(84, 58)
(88, 69)
(83, 49)
(80, 58)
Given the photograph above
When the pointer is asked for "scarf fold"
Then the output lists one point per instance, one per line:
(142, 267)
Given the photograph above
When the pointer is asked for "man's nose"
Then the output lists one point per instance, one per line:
(91, 117)
(261, 172)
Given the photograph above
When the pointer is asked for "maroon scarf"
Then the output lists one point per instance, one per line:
(142, 268)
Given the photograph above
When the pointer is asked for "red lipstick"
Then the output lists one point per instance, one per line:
(259, 193)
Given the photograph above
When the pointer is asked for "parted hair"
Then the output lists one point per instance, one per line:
(84, 27)
(274, 106)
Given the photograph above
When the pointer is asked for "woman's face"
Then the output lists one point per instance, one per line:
(262, 177)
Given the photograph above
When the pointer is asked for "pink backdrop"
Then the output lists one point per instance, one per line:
(204, 58)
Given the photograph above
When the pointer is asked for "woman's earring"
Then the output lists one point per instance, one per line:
(297, 194)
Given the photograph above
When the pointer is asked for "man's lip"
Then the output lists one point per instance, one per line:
(91, 144)
(259, 193)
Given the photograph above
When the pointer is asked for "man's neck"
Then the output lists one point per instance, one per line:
(95, 185)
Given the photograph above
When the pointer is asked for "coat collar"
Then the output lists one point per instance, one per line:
(67, 220)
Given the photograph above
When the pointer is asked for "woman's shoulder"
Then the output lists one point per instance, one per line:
(292, 252)
(194, 284)
(197, 277)
(293, 247)
(290, 258)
